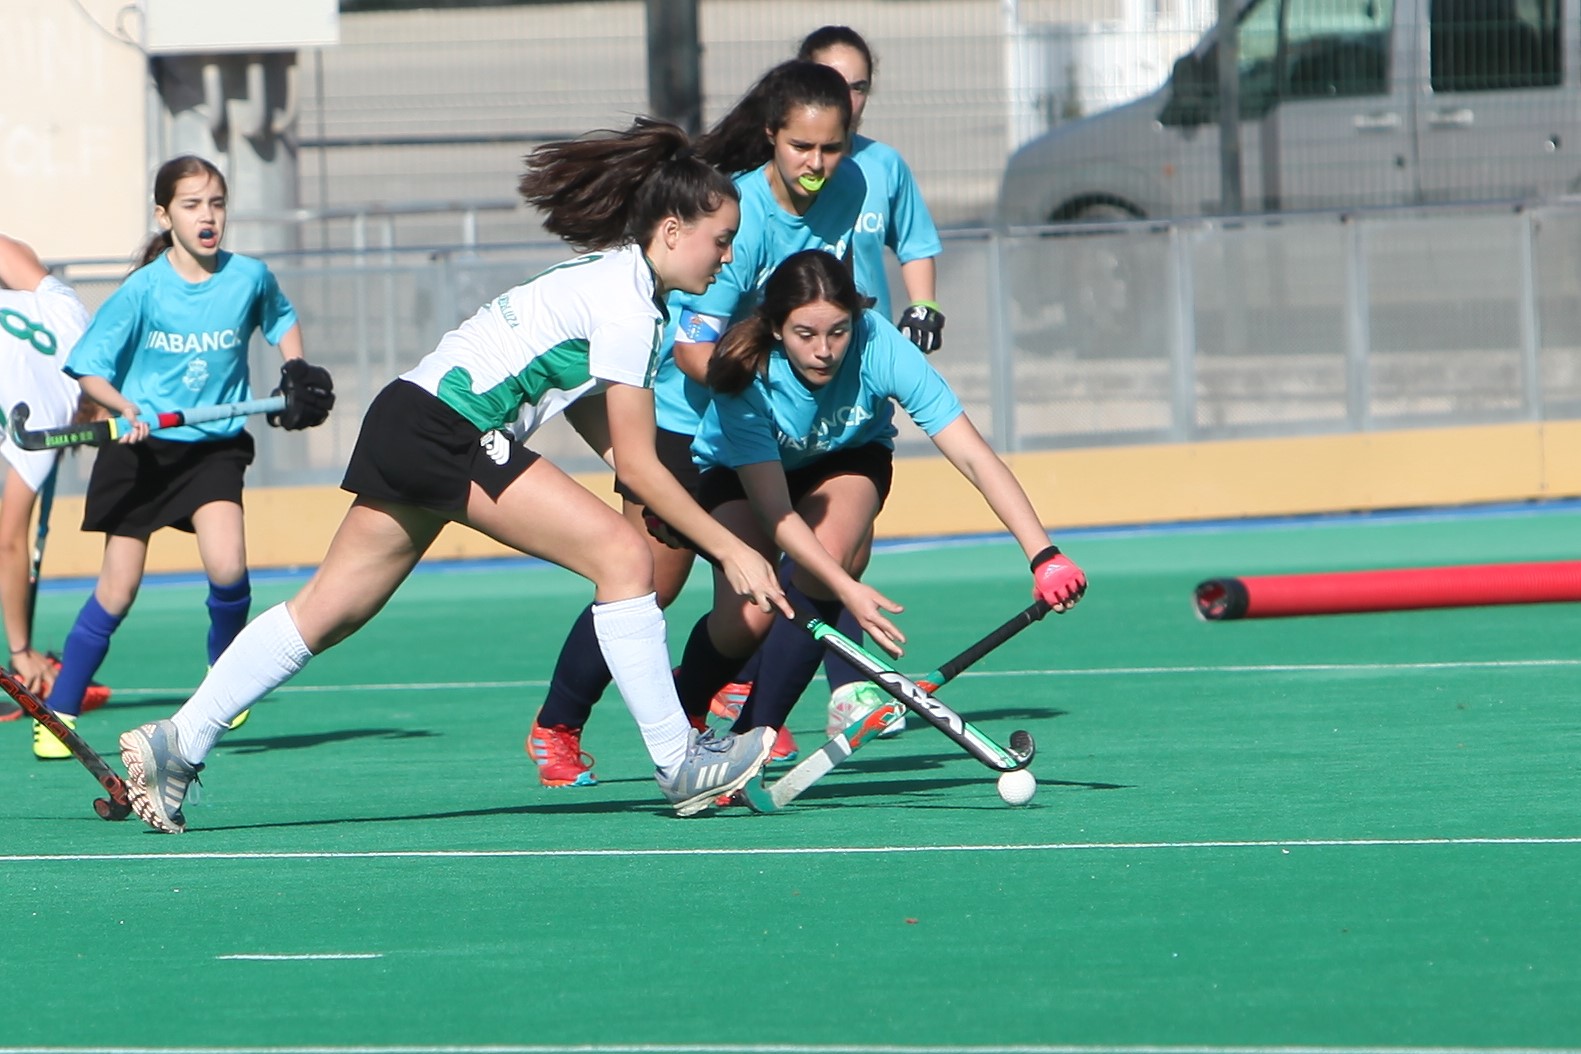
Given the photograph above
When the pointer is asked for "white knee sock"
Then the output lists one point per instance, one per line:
(264, 655)
(631, 636)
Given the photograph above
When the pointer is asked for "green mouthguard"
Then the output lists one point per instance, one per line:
(811, 184)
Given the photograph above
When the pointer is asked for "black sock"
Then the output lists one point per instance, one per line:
(580, 676)
(704, 670)
(837, 668)
(789, 661)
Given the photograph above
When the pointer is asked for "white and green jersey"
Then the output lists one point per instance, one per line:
(537, 348)
(37, 331)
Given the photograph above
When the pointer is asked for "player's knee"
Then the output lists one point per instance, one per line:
(624, 567)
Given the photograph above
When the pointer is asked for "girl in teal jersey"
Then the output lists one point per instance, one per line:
(444, 443)
(174, 336)
(894, 216)
(784, 142)
(797, 450)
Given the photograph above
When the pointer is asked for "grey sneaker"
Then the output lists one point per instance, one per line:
(715, 766)
(157, 776)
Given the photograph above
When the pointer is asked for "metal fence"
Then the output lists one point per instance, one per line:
(1083, 336)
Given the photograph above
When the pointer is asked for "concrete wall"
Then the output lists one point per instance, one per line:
(73, 136)
(291, 527)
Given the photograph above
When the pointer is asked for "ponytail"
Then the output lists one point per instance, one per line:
(741, 354)
(613, 188)
(154, 248)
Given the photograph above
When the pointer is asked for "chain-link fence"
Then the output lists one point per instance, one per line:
(1087, 336)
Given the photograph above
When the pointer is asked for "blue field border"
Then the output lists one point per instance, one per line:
(488, 565)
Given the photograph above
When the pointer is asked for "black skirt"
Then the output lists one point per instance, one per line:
(873, 460)
(414, 450)
(137, 488)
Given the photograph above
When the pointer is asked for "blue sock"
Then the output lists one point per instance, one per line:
(580, 677)
(789, 660)
(86, 646)
(228, 607)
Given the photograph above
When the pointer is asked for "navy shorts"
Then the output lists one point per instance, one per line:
(413, 449)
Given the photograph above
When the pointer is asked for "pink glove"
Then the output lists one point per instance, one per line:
(1056, 580)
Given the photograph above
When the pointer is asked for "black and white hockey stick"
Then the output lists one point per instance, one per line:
(100, 433)
(117, 806)
(866, 728)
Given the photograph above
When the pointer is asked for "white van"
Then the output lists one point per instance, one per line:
(1344, 103)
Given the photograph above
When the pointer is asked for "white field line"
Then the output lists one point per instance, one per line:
(861, 850)
(297, 956)
(1104, 671)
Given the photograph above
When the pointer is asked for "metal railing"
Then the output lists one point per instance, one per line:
(1096, 335)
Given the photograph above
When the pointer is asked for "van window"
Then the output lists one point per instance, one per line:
(1303, 49)
(1494, 45)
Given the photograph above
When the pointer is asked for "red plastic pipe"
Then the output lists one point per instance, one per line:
(1349, 592)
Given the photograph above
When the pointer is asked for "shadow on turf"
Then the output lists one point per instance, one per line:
(259, 745)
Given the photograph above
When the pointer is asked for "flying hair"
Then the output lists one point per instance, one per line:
(612, 188)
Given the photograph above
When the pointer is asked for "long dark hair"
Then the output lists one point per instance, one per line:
(612, 188)
(170, 173)
(738, 143)
(825, 37)
(807, 277)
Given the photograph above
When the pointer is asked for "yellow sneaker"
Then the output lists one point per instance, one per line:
(45, 746)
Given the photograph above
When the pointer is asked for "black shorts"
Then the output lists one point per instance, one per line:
(137, 488)
(412, 449)
(873, 460)
(675, 453)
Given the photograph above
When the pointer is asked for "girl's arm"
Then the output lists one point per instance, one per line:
(20, 267)
(1056, 579)
(16, 509)
(101, 391)
(632, 430)
(920, 277)
(291, 344)
(764, 483)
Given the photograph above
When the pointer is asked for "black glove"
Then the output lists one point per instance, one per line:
(309, 396)
(923, 325)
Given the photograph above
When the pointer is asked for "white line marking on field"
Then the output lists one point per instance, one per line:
(298, 956)
(859, 850)
(793, 1048)
(1102, 671)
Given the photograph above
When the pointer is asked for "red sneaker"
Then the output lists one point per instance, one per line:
(784, 747)
(557, 750)
(92, 699)
(727, 702)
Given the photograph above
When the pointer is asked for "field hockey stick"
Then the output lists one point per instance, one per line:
(917, 699)
(866, 728)
(46, 505)
(100, 433)
(118, 806)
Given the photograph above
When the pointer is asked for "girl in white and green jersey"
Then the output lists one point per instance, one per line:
(442, 443)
